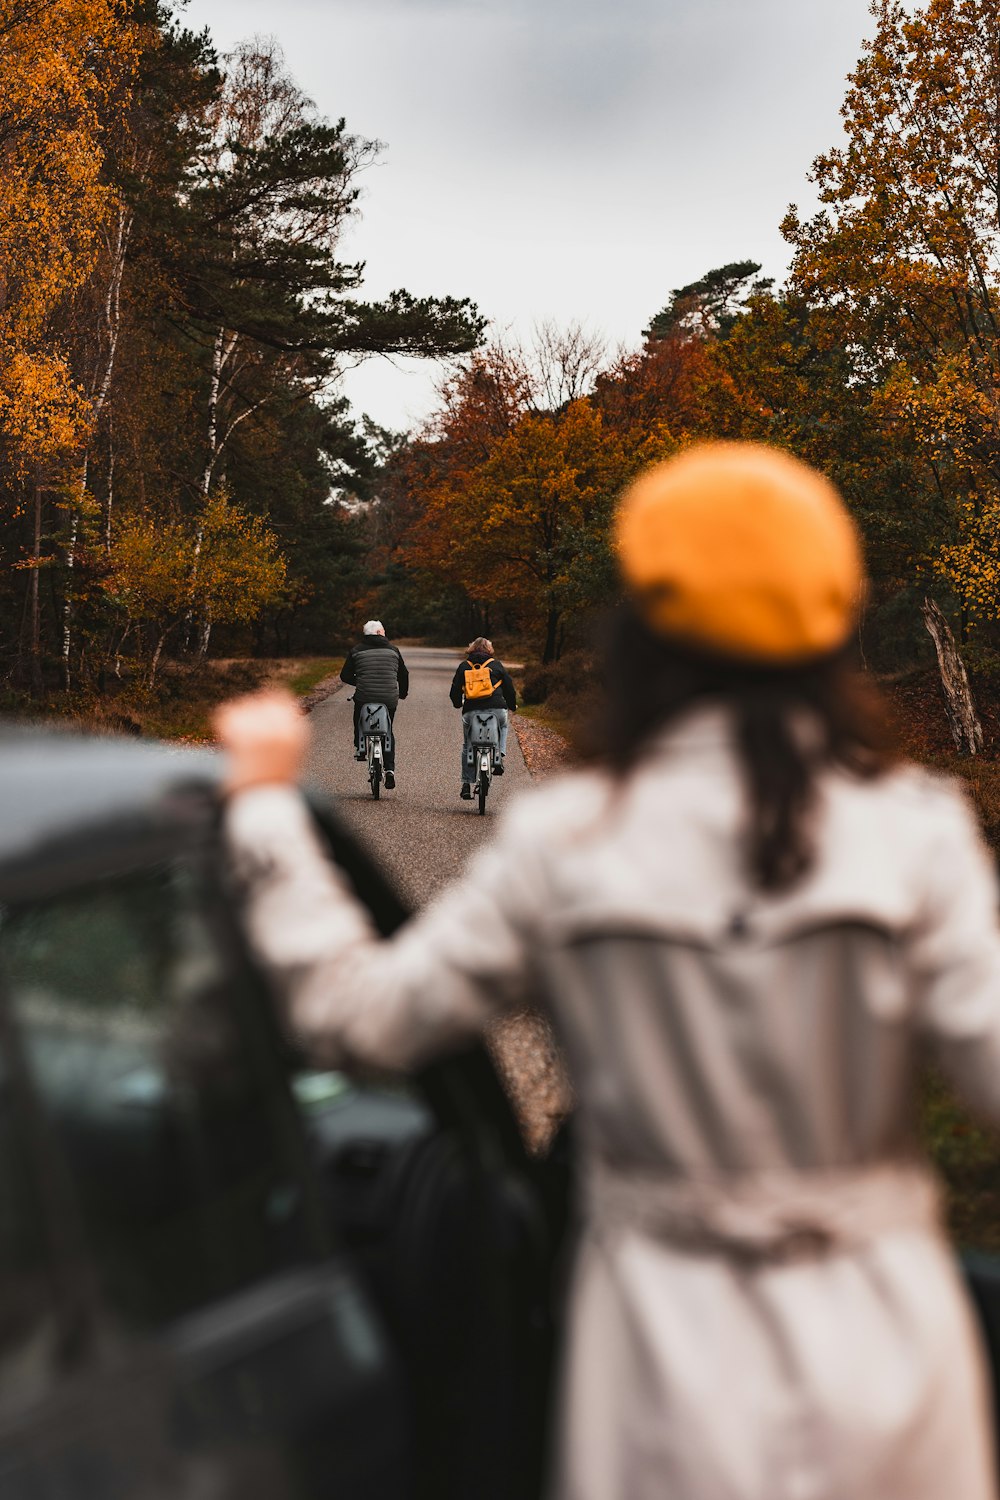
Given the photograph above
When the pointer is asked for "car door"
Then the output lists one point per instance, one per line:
(460, 1236)
(176, 1318)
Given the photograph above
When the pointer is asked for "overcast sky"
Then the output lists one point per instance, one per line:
(564, 159)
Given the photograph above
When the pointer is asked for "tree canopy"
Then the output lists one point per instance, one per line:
(174, 315)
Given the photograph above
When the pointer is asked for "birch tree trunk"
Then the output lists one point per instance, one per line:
(99, 389)
(109, 499)
(70, 555)
(966, 730)
(220, 353)
(221, 350)
(156, 657)
(37, 683)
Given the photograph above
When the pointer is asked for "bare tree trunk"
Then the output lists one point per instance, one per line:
(37, 683)
(966, 730)
(204, 636)
(110, 497)
(551, 652)
(220, 351)
(67, 630)
(156, 657)
(100, 387)
(116, 651)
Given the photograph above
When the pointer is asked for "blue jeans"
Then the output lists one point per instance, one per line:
(469, 750)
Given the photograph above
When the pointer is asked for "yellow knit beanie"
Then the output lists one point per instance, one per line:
(743, 550)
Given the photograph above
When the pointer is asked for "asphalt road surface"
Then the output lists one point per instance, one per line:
(422, 833)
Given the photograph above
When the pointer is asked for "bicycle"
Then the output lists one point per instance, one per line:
(375, 730)
(484, 736)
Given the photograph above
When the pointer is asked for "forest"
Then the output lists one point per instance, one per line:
(173, 319)
(181, 477)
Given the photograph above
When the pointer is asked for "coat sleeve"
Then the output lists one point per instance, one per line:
(349, 993)
(509, 691)
(402, 675)
(349, 671)
(953, 954)
(458, 686)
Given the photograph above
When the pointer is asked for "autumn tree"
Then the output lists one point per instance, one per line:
(970, 566)
(151, 579)
(785, 374)
(65, 69)
(905, 250)
(531, 524)
(480, 402)
(62, 64)
(657, 392)
(505, 498)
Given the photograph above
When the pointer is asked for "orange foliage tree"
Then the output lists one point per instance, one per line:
(507, 495)
(65, 65)
(530, 523)
(62, 65)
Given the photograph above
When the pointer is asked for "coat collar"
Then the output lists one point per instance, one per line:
(706, 727)
(709, 727)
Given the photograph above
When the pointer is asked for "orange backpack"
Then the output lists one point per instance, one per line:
(478, 682)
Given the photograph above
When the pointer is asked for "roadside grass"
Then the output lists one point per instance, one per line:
(312, 672)
(188, 715)
(966, 1153)
(982, 778)
(545, 716)
(964, 1148)
(180, 706)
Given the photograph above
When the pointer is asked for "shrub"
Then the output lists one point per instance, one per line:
(537, 684)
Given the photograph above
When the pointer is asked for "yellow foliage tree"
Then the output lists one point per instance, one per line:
(227, 568)
(971, 565)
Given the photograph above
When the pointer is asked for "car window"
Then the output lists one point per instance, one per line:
(140, 1045)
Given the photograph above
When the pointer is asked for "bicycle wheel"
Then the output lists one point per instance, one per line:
(482, 787)
(375, 770)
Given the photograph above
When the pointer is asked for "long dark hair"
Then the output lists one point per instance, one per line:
(789, 723)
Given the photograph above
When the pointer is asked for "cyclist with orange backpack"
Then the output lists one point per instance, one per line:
(481, 682)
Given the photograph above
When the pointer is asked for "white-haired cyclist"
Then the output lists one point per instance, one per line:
(376, 670)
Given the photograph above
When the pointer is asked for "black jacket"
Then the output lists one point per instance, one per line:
(504, 695)
(376, 670)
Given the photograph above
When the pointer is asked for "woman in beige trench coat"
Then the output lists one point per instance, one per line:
(746, 920)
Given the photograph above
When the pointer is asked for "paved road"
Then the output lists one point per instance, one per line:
(422, 832)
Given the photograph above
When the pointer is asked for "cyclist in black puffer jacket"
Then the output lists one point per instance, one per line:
(376, 670)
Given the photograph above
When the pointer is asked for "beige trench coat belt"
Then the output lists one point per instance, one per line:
(759, 1218)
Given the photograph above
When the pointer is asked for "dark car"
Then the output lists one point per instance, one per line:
(223, 1275)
